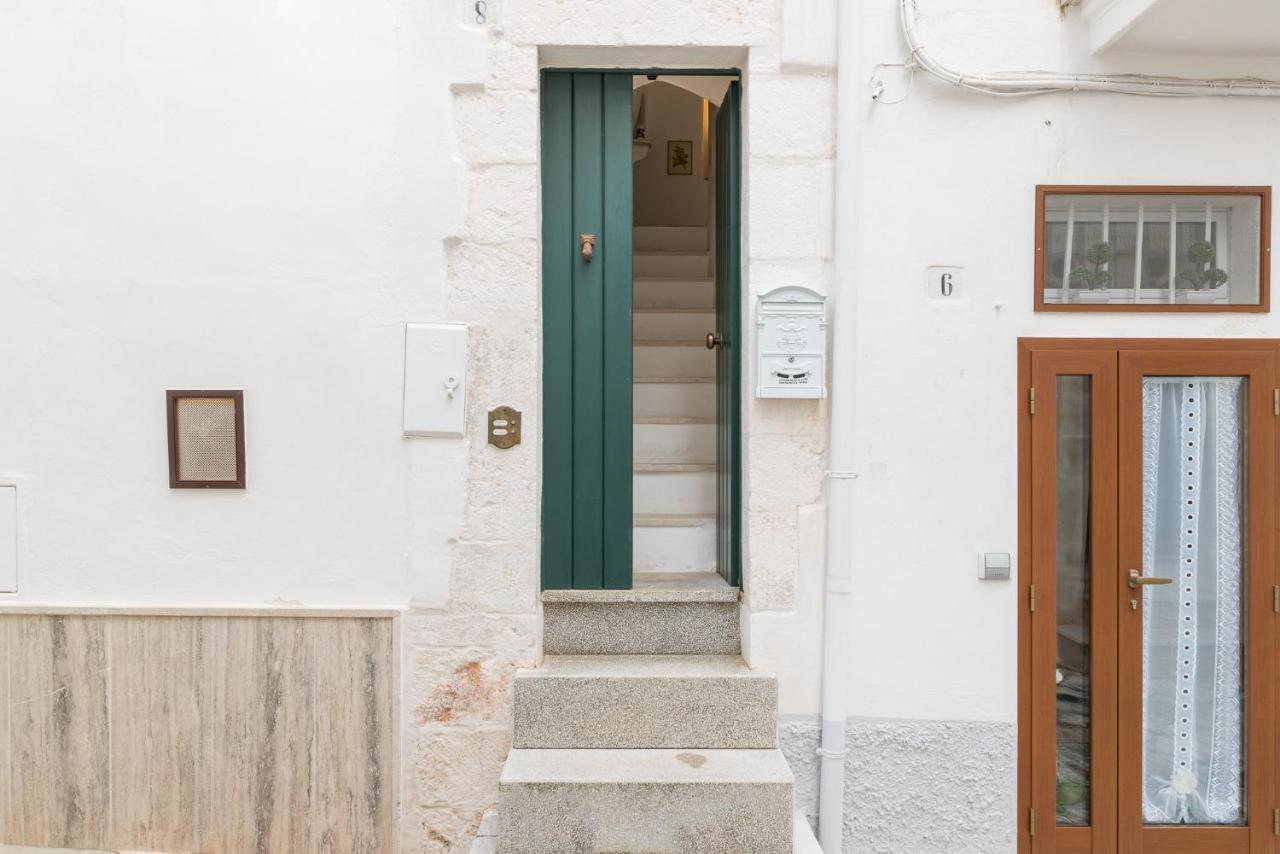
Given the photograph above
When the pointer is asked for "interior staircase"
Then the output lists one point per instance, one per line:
(674, 402)
(644, 730)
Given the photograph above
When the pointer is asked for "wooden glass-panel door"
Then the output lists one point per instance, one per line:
(1073, 732)
(1148, 687)
(1197, 552)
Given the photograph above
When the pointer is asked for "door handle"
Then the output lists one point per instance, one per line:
(1137, 579)
(714, 340)
(588, 242)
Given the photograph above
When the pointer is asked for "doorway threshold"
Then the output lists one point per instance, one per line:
(657, 587)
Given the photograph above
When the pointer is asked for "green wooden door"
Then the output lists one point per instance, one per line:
(729, 325)
(586, 331)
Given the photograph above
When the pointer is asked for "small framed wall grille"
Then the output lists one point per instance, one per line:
(1143, 248)
(206, 439)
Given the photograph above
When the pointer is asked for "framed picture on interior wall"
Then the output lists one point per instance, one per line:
(679, 157)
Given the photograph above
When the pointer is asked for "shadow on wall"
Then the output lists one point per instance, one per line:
(672, 114)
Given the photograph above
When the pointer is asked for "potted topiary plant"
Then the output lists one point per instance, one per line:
(1203, 277)
(1093, 281)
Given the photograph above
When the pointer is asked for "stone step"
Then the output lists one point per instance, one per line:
(669, 237)
(665, 613)
(667, 397)
(673, 543)
(673, 488)
(713, 801)
(693, 293)
(673, 359)
(641, 701)
(675, 419)
(655, 324)
(671, 264)
(677, 440)
(486, 841)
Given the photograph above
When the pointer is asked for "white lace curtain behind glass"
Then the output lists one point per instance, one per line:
(1193, 488)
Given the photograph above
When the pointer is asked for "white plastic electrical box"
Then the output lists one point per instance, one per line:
(791, 344)
(435, 379)
(995, 566)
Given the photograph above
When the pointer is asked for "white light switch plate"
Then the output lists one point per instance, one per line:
(995, 566)
(435, 379)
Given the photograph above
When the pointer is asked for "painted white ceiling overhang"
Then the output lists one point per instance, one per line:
(1204, 27)
(704, 86)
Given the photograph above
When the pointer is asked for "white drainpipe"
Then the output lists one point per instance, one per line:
(842, 474)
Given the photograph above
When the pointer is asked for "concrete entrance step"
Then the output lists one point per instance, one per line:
(665, 613)
(653, 588)
(721, 801)
(642, 701)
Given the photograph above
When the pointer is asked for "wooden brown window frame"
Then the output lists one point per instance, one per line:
(1264, 743)
(171, 412)
(1264, 248)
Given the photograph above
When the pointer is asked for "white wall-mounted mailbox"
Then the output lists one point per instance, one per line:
(435, 379)
(791, 344)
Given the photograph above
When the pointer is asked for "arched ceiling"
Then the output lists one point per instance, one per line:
(704, 86)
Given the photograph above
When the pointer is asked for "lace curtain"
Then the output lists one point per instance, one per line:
(1192, 660)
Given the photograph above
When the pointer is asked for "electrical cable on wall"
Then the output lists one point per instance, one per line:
(1019, 83)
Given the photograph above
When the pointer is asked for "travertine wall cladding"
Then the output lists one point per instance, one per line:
(236, 735)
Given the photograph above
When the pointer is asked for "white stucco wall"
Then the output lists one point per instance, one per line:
(224, 195)
(949, 179)
(258, 196)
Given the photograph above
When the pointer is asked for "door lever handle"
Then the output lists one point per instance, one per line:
(1137, 579)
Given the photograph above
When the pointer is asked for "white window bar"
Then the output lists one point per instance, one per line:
(1137, 255)
(1066, 258)
(1106, 238)
(1173, 252)
(1208, 238)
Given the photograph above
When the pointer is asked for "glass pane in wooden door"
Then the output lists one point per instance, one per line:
(1193, 600)
(1072, 589)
